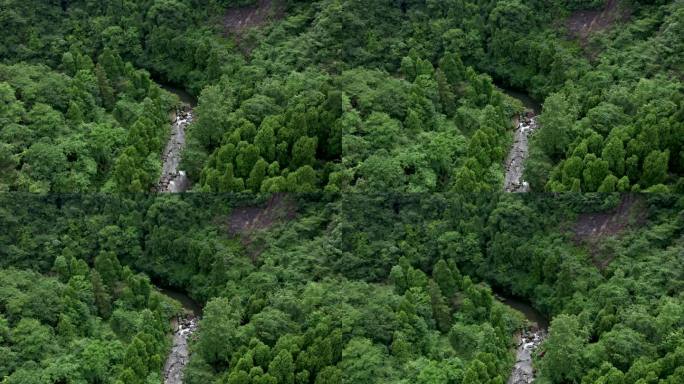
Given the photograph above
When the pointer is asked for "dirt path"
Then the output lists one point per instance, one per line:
(513, 181)
(173, 180)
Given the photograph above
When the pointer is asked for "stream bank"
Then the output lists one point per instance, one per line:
(185, 325)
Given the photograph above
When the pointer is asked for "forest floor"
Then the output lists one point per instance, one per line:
(582, 24)
(592, 228)
(237, 20)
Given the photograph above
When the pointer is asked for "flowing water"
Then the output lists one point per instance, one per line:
(185, 326)
(172, 179)
(515, 162)
(526, 125)
(528, 339)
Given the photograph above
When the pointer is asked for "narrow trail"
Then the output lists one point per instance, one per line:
(515, 163)
(172, 179)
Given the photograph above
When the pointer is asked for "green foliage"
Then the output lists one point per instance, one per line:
(397, 106)
(65, 140)
(562, 362)
(400, 291)
(220, 332)
(521, 244)
(387, 282)
(51, 330)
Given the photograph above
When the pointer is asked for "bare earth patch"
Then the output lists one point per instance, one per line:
(582, 24)
(247, 221)
(591, 229)
(237, 20)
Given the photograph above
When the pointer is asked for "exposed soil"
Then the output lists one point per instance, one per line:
(237, 20)
(246, 221)
(582, 24)
(592, 228)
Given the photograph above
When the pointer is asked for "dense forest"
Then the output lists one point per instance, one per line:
(397, 289)
(345, 220)
(406, 102)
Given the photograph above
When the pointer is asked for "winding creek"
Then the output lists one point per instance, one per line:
(172, 179)
(528, 339)
(526, 125)
(185, 325)
(531, 336)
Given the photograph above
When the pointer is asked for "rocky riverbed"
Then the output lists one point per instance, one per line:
(528, 341)
(515, 166)
(185, 328)
(172, 179)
